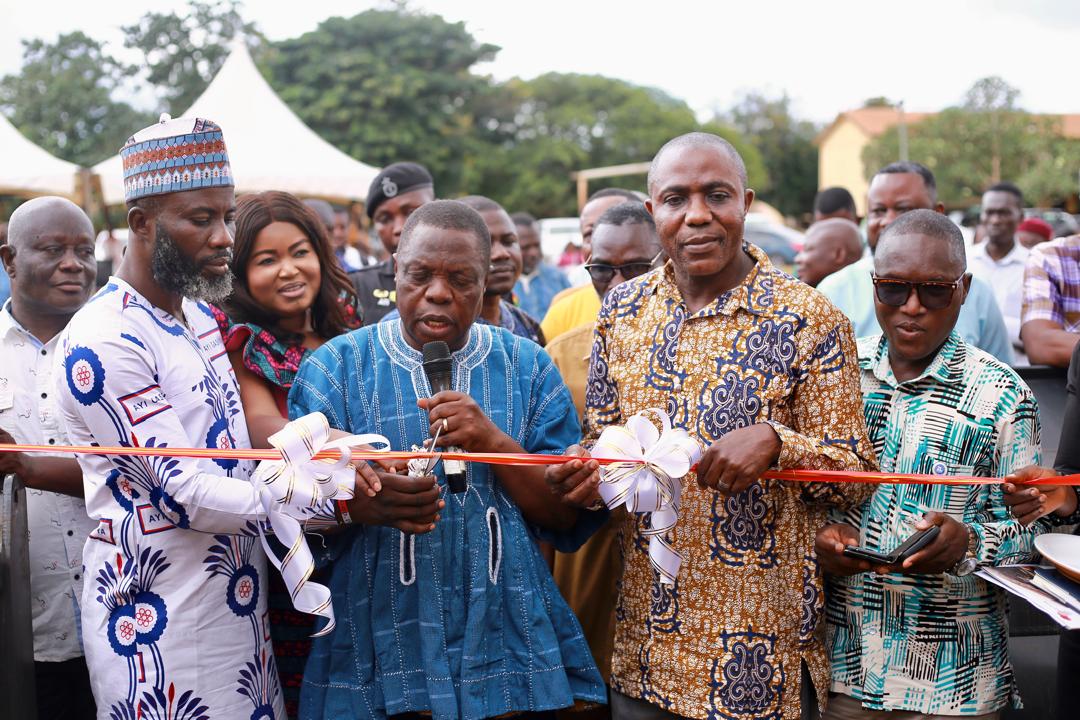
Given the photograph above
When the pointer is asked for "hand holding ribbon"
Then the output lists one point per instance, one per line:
(296, 489)
(646, 476)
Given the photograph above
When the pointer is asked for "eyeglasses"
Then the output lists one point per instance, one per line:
(933, 295)
(602, 272)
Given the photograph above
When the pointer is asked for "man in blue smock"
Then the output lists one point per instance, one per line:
(896, 189)
(443, 601)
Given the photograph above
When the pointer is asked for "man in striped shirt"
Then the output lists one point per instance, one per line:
(926, 636)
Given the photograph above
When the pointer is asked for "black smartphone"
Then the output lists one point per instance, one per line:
(909, 547)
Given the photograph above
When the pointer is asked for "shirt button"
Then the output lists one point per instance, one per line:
(70, 533)
(52, 441)
(44, 395)
(76, 576)
(44, 351)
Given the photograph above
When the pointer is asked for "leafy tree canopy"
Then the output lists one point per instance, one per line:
(63, 99)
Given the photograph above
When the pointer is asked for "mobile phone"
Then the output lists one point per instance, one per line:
(909, 547)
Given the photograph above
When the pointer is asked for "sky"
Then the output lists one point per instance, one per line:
(828, 56)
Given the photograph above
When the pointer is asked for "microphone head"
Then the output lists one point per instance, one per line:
(436, 356)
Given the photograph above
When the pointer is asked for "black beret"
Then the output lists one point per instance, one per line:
(401, 177)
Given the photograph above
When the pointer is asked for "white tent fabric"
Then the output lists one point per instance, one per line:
(269, 147)
(26, 169)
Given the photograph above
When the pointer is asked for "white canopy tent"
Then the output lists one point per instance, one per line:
(269, 147)
(26, 169)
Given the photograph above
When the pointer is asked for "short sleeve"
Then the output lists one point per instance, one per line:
(1042, 299)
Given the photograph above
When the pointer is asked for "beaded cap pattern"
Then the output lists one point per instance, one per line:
(174, 156)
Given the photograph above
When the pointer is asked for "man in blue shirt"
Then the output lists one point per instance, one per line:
(896, 189)
(539, 282)
(459, 618)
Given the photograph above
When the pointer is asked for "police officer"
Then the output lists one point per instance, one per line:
(394, 194)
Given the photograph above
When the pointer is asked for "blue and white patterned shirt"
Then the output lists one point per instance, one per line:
(174, 600)
(935, 644)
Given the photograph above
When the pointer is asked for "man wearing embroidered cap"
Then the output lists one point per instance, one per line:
(394, 194)
(174, 610)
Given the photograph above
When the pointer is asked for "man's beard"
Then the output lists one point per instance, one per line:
(177, 273)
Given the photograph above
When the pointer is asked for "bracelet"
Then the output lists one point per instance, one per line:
(343, 509)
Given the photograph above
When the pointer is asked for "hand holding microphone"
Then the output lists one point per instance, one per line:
(455, 417)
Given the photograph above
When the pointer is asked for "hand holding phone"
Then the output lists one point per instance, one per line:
(909, 547)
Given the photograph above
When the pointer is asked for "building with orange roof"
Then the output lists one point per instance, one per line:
(841, 144)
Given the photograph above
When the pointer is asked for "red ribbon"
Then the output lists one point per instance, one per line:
(830, 476)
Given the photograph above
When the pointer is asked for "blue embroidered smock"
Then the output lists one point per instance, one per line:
(465, 621)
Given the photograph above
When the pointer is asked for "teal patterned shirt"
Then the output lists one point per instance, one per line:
(935, 644)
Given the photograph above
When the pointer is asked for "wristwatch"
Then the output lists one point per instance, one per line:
(968, 563)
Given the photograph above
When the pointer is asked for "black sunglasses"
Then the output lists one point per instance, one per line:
(933, 295)
(602, 272)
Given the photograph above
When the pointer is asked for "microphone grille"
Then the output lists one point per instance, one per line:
(435, 351)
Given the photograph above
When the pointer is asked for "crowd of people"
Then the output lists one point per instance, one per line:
(524, 594)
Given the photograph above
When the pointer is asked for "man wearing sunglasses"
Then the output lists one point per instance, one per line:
(925, 636)
(624, 246)
(897, 189)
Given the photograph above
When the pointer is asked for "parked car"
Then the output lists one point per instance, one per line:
(779, 242)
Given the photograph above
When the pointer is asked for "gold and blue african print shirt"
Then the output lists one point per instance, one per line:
(935, 644)
(727, 639)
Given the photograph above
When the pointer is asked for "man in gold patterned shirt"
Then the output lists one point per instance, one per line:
(763, 371)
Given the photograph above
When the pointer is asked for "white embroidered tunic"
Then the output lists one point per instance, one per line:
(174, 606)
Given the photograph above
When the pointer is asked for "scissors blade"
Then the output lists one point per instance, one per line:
(434, 459)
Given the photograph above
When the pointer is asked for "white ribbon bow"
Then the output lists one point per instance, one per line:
(296, 489)
(648, 481)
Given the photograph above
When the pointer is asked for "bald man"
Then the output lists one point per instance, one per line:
(933, 403)
(49, 257)
(829, 245)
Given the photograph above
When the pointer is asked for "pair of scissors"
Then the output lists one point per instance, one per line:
(434, 460)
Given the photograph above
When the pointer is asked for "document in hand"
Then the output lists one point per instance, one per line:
(1061, 587)
(1019, 580)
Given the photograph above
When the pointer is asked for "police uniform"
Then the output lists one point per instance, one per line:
(375, 290)
(374, 285)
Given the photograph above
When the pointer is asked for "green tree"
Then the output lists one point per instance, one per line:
(877, 101)
(62, 99)
(541, 130)
(786, 145)
(985, 139)
(387, 85)
(183, 51)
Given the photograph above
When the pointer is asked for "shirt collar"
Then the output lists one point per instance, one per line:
(8, 325)
(1016, 256)
(945, 365)
(754, 294)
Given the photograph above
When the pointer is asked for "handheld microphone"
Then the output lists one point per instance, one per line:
(438, 366)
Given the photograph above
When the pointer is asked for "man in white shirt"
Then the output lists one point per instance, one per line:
(999, 259)
(49, 257)
(175, 602)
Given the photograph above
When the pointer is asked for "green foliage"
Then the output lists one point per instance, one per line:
(786, 146)
(539, 131)
(183, 52)
(62, 99)
(386, 86)
(986, 139)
